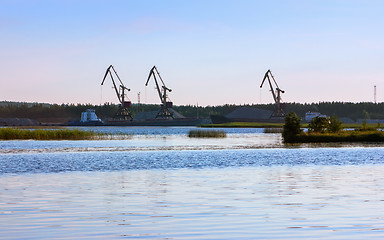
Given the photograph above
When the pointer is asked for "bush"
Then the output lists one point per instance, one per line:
(291, 127)
(335, 125)
(318, 125)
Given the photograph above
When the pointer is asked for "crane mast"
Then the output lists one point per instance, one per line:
(165, 106)
(276, 94)
(123, 112)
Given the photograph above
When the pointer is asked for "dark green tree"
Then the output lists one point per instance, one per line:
(318, 125)
(291, 127)
(335, 125)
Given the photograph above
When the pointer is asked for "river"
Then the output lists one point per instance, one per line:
(157, 183)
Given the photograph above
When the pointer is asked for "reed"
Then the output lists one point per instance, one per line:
(206, 134)
(273, 130)
(47, 134)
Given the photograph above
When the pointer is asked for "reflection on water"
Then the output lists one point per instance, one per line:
(274, 202)
(171, 159)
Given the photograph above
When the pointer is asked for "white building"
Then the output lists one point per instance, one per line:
(310, 115)
(89, 116)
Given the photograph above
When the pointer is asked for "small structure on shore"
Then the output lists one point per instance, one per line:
(89, 116)
(309, 115)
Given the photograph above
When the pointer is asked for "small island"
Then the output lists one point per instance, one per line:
(323, 130)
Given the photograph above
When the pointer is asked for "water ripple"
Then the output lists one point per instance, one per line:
(172, 159)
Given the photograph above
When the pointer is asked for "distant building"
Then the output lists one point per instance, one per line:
(310, 115)
(89, 116)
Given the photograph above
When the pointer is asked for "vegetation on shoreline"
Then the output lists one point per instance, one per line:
(47, 134)
(206, 134)
(46, 112)
(243, 125)
(279, 125)
(344, 136)
(273, 130)
(322, 130)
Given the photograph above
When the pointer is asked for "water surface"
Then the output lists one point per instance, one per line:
(265, 202)
(167, 186)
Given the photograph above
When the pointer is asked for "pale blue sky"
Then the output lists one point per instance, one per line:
(208, 52)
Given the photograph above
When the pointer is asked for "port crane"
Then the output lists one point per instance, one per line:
(123, 113)
(278, 112)
(164, 112)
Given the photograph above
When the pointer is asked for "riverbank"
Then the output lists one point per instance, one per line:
(243, 125)
(276, 125)
(344, 136)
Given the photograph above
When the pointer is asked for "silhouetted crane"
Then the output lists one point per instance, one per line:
(162, 91)
(278, 113)
(123, 113)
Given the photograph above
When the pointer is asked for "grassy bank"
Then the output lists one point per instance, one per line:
(359, 125)
(277, 125)
(206, 134)
(46, 134)
(243, 125)
(344, 136)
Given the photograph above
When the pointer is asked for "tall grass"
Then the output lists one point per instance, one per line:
(47, 134)
(273, 130)
(206, 134)
(344, 136)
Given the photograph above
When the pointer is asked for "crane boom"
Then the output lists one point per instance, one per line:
(152, 73)
(117, 90)
(113, 81)
(266, 76)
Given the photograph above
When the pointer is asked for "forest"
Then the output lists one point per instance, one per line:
(38, 111)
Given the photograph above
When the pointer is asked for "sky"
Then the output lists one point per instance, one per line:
(208, 52)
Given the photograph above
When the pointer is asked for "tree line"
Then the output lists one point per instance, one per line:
(354, 111)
